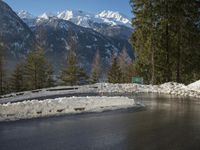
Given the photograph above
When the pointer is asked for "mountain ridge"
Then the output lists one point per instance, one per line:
(82, 18)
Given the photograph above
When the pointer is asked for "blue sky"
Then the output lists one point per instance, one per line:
(37, 7)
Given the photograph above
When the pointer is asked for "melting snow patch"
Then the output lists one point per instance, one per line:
(61, 106)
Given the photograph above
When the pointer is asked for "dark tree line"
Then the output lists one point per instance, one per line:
(35, 72)
(167, 40)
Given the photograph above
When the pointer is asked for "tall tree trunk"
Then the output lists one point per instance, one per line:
(152, 46)
(35, 77)
(178, 66)
(167, 51)
(153, 65)
(178, 58)
(168, 78)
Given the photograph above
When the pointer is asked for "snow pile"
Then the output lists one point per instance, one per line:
(60, 106)
(55, 91)
(124, 88)
(170, 88)
(195, 86)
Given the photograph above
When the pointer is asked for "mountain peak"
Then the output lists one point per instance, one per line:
(83, 18)
(77, 16)
(115, 17)
(25, 14)
(47, 15)
(69, 14)
(110, 14)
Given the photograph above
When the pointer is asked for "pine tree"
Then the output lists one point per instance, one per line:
(72, 73)
(37, 70)
(165, 34)
(115, 73)
(96, 68)
(50, 82)
(94, 78)
(144, 38)
(124, 63)
(17, 78)
(186, 38)
(131, 72)
(69, 73)
(82, 76)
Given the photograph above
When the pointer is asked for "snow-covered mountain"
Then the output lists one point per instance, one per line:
(46, 15)
(78, 17)
(25, 14)
(108, 23)
(54, 33)
(84, 19)
(107, 31)
(114, 18)
(92, 33)
(23, 32)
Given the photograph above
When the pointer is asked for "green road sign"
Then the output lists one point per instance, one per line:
(138, 80)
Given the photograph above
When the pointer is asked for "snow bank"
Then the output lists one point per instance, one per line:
(60, 106)
(170, 88)
(122, 88)
(55, 91)
(195, 86)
